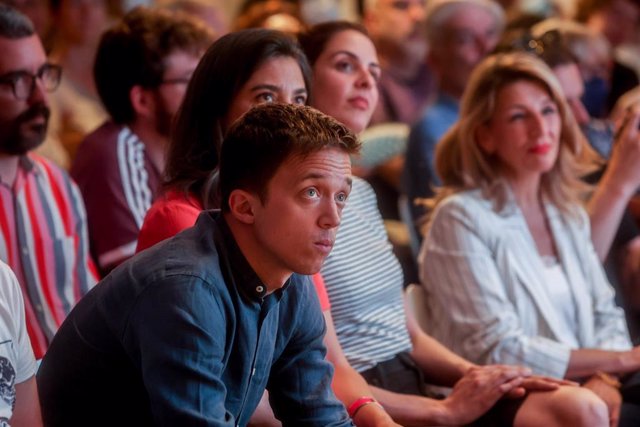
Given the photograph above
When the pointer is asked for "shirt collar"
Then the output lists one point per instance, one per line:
(245, 278)
(26, 165)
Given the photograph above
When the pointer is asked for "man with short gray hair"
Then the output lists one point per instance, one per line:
(460, 34)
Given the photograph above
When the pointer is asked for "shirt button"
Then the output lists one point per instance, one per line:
(259, 289)
(38, 307)
(25, 251)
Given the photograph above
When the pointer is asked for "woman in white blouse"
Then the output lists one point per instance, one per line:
(507, 262)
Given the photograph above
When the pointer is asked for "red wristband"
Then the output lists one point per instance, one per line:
(358, 404)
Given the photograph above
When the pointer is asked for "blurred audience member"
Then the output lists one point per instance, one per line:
(405, 85)
(281, 15)
(625, 102)
(43, 234)
(210, 11)
(142, 69)
(460, 34)
(518, 20)
(397, 30)
(593, 55)
(41, 16)
(76, 106)
(618, 20)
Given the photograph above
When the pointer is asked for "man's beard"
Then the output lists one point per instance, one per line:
(18, 137)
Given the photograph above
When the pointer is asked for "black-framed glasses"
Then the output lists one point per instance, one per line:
(23, 82)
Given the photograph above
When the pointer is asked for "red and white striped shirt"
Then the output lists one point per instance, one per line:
(43, 238)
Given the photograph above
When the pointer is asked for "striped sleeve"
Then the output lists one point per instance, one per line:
(132, 196)
(118, 187)
(135, 180)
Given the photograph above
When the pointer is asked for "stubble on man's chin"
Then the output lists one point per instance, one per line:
(22, 136)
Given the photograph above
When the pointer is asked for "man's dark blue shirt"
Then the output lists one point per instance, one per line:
(184, 334)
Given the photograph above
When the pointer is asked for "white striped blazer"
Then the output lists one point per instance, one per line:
(483, 276)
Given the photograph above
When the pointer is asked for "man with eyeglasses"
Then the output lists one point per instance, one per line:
(142, 69)
(43, 236)
(460, 34)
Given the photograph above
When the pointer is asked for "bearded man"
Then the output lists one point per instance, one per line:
(43, 234)
(142, 69)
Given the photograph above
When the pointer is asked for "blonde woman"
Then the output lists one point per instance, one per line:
(507, 262)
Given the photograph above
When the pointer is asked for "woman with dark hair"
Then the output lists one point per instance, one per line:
(383, 175)
(338, 52)
(240, 70)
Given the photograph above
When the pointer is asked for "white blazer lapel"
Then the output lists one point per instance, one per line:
(527, 265)
(562, 233)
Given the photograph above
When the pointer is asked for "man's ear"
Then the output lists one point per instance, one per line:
(142, 101)
(484, 139)
(241, 205)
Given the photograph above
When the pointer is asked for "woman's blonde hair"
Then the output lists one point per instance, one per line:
(463, 165)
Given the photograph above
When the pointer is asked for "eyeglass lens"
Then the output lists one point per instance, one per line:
(24, 83)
